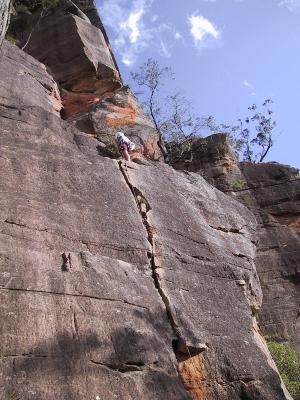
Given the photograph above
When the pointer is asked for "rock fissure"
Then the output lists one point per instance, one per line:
(28, 355)
(189, 238)
(74, 295)
(84, 242)
(261, 187)
(240, 255)
(127, 367)
(81, 246)
(179, 345)
(201, 259)
(226, 230)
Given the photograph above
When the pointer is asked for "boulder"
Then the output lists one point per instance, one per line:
(213, 158)
(76, 53)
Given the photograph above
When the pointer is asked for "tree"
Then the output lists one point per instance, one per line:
(256, 146)
(151, 77)
(171, 114)
(253, 136)
(5, 7)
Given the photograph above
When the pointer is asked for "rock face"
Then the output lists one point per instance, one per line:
(120, 112)
(214, 158)
(272, 192)
(117, 280)
(76, 53)
(80, 58)
(203, 254)
(25, 81)
(81, 316)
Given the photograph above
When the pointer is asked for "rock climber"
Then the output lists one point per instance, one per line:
(125, 145)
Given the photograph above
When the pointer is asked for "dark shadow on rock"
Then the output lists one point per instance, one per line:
(104, 152)
(60, 357)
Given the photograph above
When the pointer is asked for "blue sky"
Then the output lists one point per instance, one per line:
(226, 55)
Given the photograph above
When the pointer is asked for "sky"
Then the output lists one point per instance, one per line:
(225, 54)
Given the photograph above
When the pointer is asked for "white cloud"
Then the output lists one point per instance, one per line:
(134, 29)
(247, 83)
(249, 86)
(202, 29)
(178, 36)
(165, 50)
(291, 5)
(127, 61)
(130, 36)
(132, 25)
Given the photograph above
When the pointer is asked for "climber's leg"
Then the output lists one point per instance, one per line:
(126, 155)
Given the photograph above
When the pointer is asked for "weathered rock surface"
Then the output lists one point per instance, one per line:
(203, 254)
(77, 295)
(272, 192)
(81, 316)
(76, 52)
(79, 56)
(117, 280)
(214, 159)
(24, 81)
(274, 196)
(121, 112)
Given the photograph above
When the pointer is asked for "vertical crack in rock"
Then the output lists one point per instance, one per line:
(181, 349)
(75, 326)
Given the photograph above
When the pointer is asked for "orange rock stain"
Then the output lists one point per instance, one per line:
(292, 221)
(194, 376)
(75, 103)
(121, 116)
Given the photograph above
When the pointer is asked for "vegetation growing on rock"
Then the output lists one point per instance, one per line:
(285, 358)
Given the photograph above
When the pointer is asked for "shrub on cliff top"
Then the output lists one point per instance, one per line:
(32, 5)
(47, 4)
(286, 360)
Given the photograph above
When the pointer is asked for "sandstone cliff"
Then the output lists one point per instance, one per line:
(272, 192)
(117, 281)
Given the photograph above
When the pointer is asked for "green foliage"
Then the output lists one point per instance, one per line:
(111, 146)
(179, 146)
(239, 184)
(48, 4)
(11, 38)
(286, 360)
(171, 114)
(34, 4)
(253, 136)
(12, 395)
